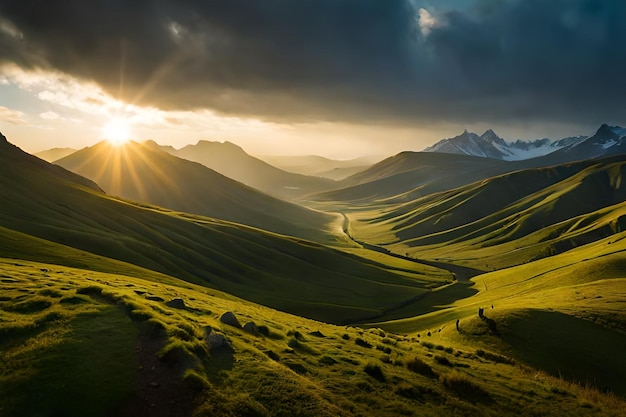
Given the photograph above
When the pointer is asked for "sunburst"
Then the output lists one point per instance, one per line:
(117, 131)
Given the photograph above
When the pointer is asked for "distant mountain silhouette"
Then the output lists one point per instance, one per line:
(53, 154)
(408, 175)
(232, 161)
(320, 166)
(142, 172)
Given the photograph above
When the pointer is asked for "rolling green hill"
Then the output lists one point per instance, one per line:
(563, 313)
(70, 213)
(144, 173)
(409, 175)
(505, 220)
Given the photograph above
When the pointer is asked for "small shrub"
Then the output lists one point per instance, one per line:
(464, 388)
(362, 343)
(420, 367)
(385, 349)
(29, 306)
(389, 341)
(296, 334)
(49, 318)
(349, 360)
(49, 292)
(375, 371)
(494, 357)
(385, 359)
(293, 343)
(428, 345)
(73, 300)
(272, 355)
(345, 336)
(90, 290)
(327, 360)
(194, 381)
(301, 346)
(176, 351)
(439, 347)
(297, 368)
(443, 360)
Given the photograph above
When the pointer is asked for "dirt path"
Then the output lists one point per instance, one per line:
(429, 301)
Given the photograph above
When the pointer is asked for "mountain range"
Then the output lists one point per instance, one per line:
(145, 173)
(490, 145)
(232, 161)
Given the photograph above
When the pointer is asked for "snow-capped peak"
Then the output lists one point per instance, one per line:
(490, 145)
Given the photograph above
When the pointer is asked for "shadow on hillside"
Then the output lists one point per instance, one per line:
(221, 361)
(568, 347)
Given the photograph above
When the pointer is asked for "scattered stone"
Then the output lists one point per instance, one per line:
(264, 330)
(154, 384)
(176, 303)
(216, 341)
(230, 319)
(251, 328)
(154, 298)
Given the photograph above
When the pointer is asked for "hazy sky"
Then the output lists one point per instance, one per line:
(334, 77)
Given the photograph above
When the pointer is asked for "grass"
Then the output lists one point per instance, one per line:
(331, 375)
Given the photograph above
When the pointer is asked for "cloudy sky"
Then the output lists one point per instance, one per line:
(335, 77)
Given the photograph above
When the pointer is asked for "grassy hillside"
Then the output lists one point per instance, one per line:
(141, 354)
(563, 314)
(69, 221)
(505, 220)
(144, 173)
(232, 161)
(409, 175)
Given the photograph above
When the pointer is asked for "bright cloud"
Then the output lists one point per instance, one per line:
(14, 117)
(426, 21)
(49, 115)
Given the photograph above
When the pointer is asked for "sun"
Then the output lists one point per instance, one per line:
(117, 131)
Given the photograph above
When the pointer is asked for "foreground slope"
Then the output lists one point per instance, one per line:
(76, 220)
(141, 172)
(141, 354)
(232, 161)
(563, 313)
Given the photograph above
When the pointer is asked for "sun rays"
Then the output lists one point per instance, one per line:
(117, 131)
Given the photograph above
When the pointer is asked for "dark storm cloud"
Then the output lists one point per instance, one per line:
(336, 59)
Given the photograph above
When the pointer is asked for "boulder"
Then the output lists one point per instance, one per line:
(176, 303)
(217, 341)
(230, 319)
(251, 328)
